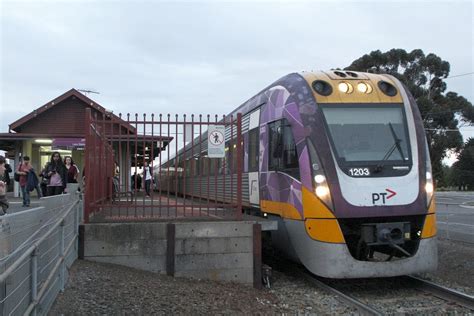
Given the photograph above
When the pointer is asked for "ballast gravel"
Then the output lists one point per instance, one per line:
(106, 289)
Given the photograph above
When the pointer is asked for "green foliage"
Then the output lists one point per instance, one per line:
(423, 76)
(463, 169)
(445, 180)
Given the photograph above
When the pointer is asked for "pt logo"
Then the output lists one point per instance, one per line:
(382, 197)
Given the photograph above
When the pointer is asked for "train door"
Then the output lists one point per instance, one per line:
(253, 154)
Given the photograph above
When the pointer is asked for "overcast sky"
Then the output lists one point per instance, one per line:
(208, 57)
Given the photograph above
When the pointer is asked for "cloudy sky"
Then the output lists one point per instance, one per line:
(208, 57)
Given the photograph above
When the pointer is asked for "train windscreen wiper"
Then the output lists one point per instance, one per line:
(396, 145)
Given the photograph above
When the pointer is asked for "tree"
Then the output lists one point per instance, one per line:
(424, 76)
(464, 167)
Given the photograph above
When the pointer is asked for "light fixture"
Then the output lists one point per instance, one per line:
(322, 87)
(364, 87)
(429, 187)
(345, 87)
(322, 191)
(387, 88)
(43, 141)
(319, 178)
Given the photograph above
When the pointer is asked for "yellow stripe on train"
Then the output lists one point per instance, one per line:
(285, 210)
(429, 228)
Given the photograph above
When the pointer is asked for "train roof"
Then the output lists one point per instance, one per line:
(333, 78)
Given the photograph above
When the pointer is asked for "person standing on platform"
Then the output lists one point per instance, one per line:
(57, 174)
(72, 170)
(23, 171)
(44, 181)
(8, 169)
(147, 177)
(32, 183)
(3, 187)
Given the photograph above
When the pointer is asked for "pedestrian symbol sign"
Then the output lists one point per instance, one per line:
(216, 141)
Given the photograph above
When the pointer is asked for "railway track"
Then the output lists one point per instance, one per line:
(443, 292)
(374, 300)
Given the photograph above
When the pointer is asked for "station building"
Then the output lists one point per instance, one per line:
(60, 125)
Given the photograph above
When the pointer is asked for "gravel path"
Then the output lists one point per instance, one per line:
(105, 289)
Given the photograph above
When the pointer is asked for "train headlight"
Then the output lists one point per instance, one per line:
(429, 183)
(320, 185)
(364, 87)
(322, 191)
(319, 178)
(429, 187)
(345, 87)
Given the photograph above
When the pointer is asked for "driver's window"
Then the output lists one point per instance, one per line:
(282, 152)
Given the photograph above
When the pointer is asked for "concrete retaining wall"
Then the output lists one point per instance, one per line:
(223, 251)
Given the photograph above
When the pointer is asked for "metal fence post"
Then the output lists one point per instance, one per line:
(76, 227)
(63, 261)
(87, 153)
(34, 278)
(239, 166)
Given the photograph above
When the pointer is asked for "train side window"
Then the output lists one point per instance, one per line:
(228, 157)
(283, 156)
(234, 156)
(187, 168)
(253, 149)
(196, 166)
(212, 166)
(205, 166)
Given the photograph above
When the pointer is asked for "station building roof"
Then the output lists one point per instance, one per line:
(64, 117)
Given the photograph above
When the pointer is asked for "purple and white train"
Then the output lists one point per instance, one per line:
(340, 160)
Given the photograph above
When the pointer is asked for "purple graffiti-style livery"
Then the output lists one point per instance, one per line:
(291, 98)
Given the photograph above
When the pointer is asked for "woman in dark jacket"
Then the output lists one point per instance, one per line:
(72, 170)
(56, 172)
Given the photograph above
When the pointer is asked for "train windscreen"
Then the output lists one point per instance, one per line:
(368, 133)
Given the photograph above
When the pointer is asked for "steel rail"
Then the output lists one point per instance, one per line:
(363, 308)
(443, 292)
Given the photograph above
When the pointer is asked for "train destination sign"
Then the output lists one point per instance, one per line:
(216, 141)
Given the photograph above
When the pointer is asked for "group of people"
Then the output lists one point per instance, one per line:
(3, 186)
(56, 174)
(147, 179)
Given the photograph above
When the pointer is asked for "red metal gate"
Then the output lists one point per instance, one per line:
(183, 181)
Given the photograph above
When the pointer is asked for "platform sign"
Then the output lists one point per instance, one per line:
(216, 141)
(68, 143)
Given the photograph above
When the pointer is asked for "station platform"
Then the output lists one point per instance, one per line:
(157, 208)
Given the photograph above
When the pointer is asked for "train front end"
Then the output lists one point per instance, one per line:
(370, 211)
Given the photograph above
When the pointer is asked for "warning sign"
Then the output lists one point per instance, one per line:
(216, 141)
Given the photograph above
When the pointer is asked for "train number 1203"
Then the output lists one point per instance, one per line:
(358, 172)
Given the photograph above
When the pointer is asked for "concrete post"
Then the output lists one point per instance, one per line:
(257, 256)
(170, 251)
